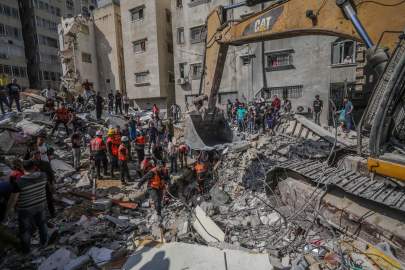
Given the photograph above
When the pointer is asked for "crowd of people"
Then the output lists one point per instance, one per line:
(149, 147)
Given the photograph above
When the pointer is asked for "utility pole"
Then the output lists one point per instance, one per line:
(29, 33)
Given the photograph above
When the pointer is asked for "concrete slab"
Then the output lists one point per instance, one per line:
(175, 256)
(206, 227)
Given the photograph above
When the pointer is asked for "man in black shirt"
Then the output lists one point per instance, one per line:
(110, 102)
(317, 107)
(118, 102)
(99, 105)
(14, 90)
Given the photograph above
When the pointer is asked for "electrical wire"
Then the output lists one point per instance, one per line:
(380, 4)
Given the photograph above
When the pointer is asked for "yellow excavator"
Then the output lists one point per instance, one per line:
(379, 25)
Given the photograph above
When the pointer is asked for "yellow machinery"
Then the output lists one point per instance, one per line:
(378, 24)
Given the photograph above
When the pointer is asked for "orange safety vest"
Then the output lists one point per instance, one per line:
(156, 181)
(122, 153)
(200, 167)
(140, 140)
(114, 146)
(97, 144)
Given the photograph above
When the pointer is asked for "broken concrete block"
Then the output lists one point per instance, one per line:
(102, 204)
(118, 222)
(240, 147)
(30, 128)
(61, 168)
(218, 196)
(206, 227)
(6, 141)
(100, 256)
(57, 260)
(83, 180)
(77, 263)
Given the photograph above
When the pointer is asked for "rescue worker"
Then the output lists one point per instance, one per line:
(113, 143)
(110, 102)
(62, 116)
(183, 150)
(140, 147)
(118, 102)
(123, 157)
(3, 94)
(201, 170)
(14, 90)
(98, 153)
(157, 182)
(147, 164)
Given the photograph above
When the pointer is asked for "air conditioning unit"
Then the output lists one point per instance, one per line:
(182, 81)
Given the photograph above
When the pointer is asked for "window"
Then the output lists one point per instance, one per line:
(280, 60)
(86, 57)
(169, 48)
(343, 52)
(171, 77)
(194, 3)
(180, 35)
(2, 30)
(46, 76)
(246, 59)
(23, 72)
(291, 92)
(182, 70)
(53, 76)
(196, 71)
(168, 16)
(139, 46)
(141, 78)
(7, 69)
(137, 13)
(7, 10)
(197, 34)
(179, 3)
(14, 12)
(16, 71)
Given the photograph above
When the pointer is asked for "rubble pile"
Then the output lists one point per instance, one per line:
(100, 223)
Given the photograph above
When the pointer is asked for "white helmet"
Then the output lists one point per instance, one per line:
(124, 139)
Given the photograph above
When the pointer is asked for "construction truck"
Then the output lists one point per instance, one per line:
(379, 25)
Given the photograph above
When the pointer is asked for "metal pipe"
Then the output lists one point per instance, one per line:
(236, 5)
(351, 14)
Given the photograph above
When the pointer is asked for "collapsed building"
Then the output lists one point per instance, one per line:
(243, 220)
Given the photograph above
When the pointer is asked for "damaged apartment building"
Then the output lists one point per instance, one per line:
(267, 68)
(34, 64)
(91, 49)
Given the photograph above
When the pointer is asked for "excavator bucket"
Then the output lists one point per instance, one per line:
(205, 132)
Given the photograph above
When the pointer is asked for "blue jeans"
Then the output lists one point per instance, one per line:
(26, 219)
(251, 126)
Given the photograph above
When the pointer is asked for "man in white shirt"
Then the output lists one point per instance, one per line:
(49, 92)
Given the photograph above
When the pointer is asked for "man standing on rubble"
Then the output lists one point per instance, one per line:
(110, 102)
(98, 153)
(62, 116)
(45, 167)
(140, 146)
(31, 193)
(76, 142)
(99, 105)
(317, 108)
(183, 151)
(157, 181)
(49, 92)
(125, 101)
(113, 143)
(14, 90)
(123, 157)
(118, 102)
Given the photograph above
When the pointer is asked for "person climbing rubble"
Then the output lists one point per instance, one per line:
(62, 116)
(113, 143)
(98, 150)
(158, 180)
(123, 158)
(201, 170)
(147, 164)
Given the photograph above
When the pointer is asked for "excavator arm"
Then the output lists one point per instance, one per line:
(290, 18)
